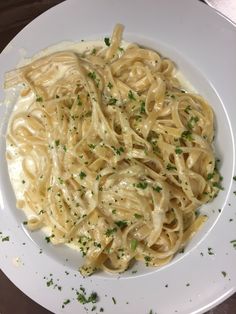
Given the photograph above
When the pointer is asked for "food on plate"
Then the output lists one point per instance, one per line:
(109, 152)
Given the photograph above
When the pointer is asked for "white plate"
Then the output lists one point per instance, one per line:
(203, 45)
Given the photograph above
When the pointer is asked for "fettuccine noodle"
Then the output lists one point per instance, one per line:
(116, 156)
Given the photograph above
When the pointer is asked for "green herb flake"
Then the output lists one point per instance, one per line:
(142, 107)
(217, 185)
(49, 283)
(109, 85)
(133, 244)
(138, 216)
(94, 51)
(147, 258)
(187, 135)
(93, 298)
(112, 101)
(210, 251)
(92, 75)
(187, 109)
(192, 122)
(57, 142)
(82, 175)
(92, 146)
(234, 243)
(39, 99)
(114, 300)
(170, 167)
(119, 150)
(142, 185)
(47, 239)
(121, 223)
(5, 239)
(224, 273)
(157, 189)
(110, 232)
(234, 178)
(66, 302)
(79, 102)
(210, 176)
(25, 222)
(107, 41)
(178, 151)
(131, 95)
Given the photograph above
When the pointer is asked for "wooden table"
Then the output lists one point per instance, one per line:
(14, 15)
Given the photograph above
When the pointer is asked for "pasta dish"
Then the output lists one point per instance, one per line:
(116, 156)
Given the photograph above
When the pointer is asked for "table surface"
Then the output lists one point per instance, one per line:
(14, 15)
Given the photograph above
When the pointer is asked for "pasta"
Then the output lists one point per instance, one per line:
(116, 156)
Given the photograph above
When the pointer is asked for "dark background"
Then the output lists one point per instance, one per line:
(14, 15)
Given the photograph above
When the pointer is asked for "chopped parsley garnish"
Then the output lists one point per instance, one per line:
(147, 258)
(82, 175)
(142, 107)
(178, 150)
(187, 135)
(57, 142)
(119, 150)
(79, 102)
(131, 95)
(234, 178)
(109, 85)
(171, 167)
(25, 222)
(5, 239)
(121, 223)
(49, 283)
(234, 243)
(39, 99)
(157, 188)
(133, 244)
(81, 297)
(112, 101)
(187, 109)
(47, 239)
(92, 146)
(107, 41)
(94, 51)
(110, 232)
(138, 216)
(210, 176)
(142, 185)
(210, 251)
(224, 273)
(191, 123)
(217, 185)
(114, 300)
(92, 75)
